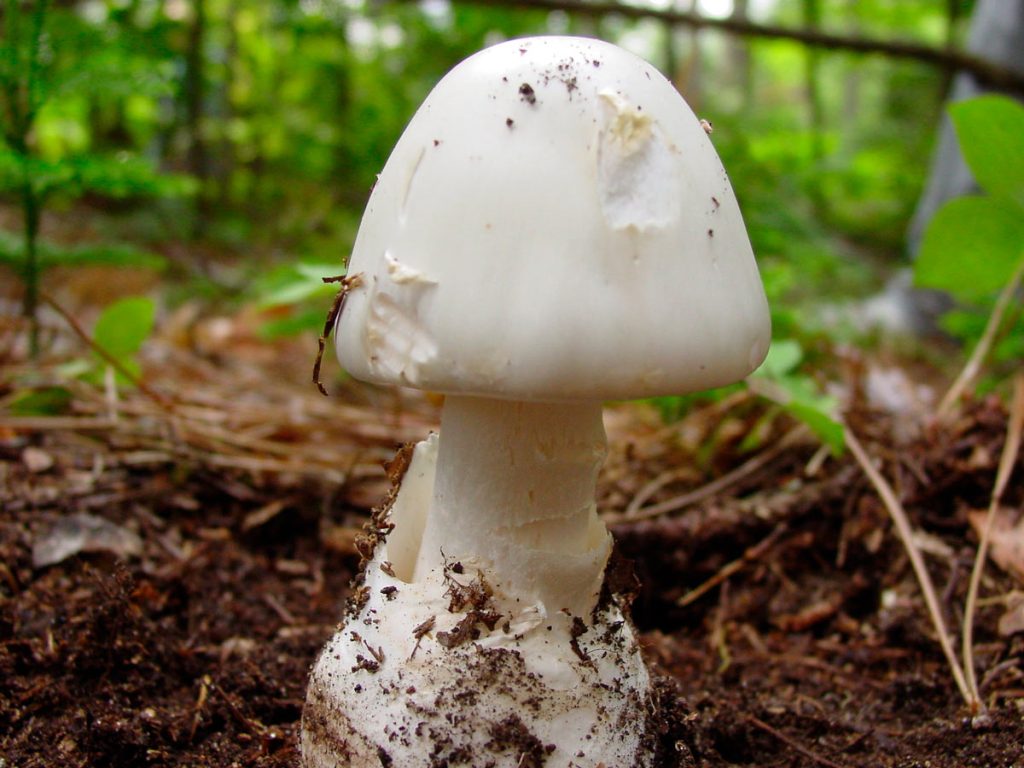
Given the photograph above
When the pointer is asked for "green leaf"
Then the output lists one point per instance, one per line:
(318, 271)
(40, 402)
(971, 247)
(784, 355)
(779, 380)
(293, 324)
(296, 283)
(123, 326)
(799, 397)
(991, 134)
(818, 416)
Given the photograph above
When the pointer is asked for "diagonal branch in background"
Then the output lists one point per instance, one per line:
(985, 72)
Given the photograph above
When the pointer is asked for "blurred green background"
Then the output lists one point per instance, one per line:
(230, 145)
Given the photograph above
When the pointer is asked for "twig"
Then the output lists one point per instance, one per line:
(906, 534)
(61, 423)
(1006, 463)
(116, 364)
(792, 743)
(197, 715)
(253, 726)
(984, 345)
(283, 613)
(345, 284)
(749, 555)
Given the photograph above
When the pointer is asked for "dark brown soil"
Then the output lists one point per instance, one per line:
(812, 646)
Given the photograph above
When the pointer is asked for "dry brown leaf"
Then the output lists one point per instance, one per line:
(1007, 544)
(1012, 621)
(82, 532)
(36, 460)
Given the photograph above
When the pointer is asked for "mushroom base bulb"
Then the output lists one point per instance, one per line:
(452, 669)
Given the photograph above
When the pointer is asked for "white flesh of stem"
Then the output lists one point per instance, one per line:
(514, 496)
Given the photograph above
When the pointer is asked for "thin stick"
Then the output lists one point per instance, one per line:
(906, 534)
(984, 345)
(750, 554)
(69, 423)
(1006, 462)
(792, 743)
(345, 284)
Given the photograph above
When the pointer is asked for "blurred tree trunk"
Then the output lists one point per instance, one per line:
(740, 59)
(815, 109)
(669, 46)
(687, 73)
(852, 77)
(226, 146)
(197, 157)
(20, 100)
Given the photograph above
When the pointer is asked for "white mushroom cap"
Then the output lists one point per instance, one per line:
(554, 224)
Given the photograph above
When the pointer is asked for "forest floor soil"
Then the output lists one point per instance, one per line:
(171, 562)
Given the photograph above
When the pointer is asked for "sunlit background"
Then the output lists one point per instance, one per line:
(230, 146)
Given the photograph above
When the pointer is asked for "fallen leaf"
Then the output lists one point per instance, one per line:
(36, 460)
(82, 532)
(1012, 621)
(1006, 547)
(264, 514)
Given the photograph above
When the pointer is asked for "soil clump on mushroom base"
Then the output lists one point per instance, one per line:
(187, 639)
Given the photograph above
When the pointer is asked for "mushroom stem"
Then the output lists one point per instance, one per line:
(514, 495)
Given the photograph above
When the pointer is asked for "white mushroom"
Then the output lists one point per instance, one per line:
(554, 228)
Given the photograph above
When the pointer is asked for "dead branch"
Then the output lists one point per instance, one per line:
(985, 72)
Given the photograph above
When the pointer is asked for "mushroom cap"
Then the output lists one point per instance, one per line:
(554, 224)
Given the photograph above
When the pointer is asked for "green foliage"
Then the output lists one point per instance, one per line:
(971, 247)
(122, 328)
(296, 105)
(120, 331)
(296, 284)
(672, 408)
(975, 244)
(991, 133)
(56, 66)
(299, 290)
(50, 255)
(50, 401)
(780, 380)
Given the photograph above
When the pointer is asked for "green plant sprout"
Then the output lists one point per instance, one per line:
(116, 340)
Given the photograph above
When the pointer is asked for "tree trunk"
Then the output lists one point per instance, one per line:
(195, 92)
(741, 60)
(815, 108)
